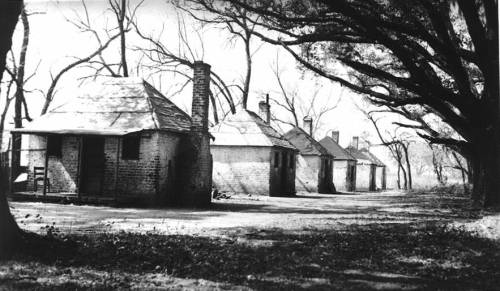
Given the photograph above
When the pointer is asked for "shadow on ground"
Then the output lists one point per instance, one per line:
(368, 257)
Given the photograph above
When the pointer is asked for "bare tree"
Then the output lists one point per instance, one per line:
(461, 165)
(398, 145)
(235, 20)
(165, 60)
(439, 164)
(95, 60)
(120, 10)
(299, 107)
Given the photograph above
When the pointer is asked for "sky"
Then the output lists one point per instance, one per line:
(54, 42)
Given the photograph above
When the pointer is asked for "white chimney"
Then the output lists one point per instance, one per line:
(335, 136)
(308, 125)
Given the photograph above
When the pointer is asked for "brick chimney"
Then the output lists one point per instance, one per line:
(265, 110)
(308, 125)
(335, 136)
(201, 87)
(195, 160)
(355, 142)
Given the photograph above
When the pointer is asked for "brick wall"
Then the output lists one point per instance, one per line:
(134, 177)
(62, 171)
(169, 151)
(308, 173)
(254, 170)
(241, 169)
(340, 175)
(314, 174)
(379, 184)
(364, 175)
(147, 175)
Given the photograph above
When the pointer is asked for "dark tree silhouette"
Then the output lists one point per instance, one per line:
(9, 230)
(18, 75)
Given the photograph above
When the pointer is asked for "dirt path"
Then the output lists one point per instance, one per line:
(307, 210)
(369, 241)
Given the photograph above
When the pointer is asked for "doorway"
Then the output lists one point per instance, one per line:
(92, 171)
(351, 177)
(284, 173)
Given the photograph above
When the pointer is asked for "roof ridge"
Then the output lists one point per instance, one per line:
(318, 147)
(261, 133)
(343, 151)
(260, 122)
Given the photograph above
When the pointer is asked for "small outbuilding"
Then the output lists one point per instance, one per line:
(344, 164)
(121, 139)
(365, 168)
(314, 164)
(251, 157)
(380, 175)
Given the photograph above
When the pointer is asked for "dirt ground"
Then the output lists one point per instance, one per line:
(369, 241)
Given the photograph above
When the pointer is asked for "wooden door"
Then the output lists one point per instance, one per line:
(92, 165)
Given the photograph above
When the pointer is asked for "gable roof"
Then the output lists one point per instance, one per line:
(373, 158)
(359, 155)
(245, 128)
(112, 106)
(305, 143)
(336, 150)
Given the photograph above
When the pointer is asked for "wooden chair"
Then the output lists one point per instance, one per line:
(38, 174)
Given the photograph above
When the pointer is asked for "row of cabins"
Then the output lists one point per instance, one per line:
(121, 138)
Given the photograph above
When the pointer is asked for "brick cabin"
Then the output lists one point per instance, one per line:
(251, 157)
(120, 138)
(365, 167)
(344, 164)
(314, 164)
(380, 175)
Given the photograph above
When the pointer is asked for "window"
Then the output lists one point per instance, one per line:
(276, 159)
(54, 146)
(130, 147)
(292, 160)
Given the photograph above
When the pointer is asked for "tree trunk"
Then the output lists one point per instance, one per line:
(19, 98)
(408, 166)
(486, 174)
(405, 180)
(463, 171)
(470, 178)
(399, 178)
(123, 48)
(9, 230)
(246, 85)
(399, 155)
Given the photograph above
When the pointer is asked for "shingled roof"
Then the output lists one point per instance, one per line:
(305, 143)
(112, 106)
(336, 150)
(360, 156)
(373, 158)
(245, 128)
